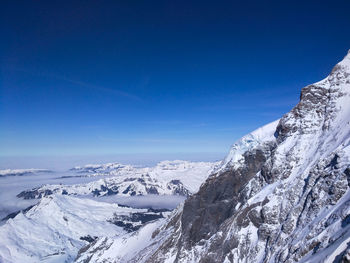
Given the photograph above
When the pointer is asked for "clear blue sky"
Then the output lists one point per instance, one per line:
(114, 77)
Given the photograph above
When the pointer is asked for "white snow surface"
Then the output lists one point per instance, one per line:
(51, 230)
(302, 199)
(133, 247)
(247, 143)
(304, 205)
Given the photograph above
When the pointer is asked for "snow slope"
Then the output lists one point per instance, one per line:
(56, 228)
(281, 195)
(134, 247)
(247, 143)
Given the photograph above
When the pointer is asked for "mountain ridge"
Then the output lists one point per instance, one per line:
(284, 199)
(166, 178)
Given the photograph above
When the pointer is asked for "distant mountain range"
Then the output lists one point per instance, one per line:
(281, 195)
(65, 220)
(166, 178)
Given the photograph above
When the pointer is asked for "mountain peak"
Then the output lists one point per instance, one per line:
(341, 72)
(278, 198)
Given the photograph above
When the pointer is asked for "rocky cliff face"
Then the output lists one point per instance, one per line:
(281, 195)
(286, 199)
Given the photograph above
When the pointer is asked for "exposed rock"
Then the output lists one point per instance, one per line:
(285, 198)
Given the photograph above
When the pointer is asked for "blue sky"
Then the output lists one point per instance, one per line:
(150, 77)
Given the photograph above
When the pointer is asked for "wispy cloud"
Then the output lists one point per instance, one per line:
(117, 92)
(109, 90)
(150, 140)
(224, 107)
(178, 123)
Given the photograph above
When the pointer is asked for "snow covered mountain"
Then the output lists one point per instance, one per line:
(66, 219)
(55, 229)
(103, 169)
(281, 195)
(166, 178)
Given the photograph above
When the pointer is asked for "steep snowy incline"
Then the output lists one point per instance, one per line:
(290, 196)
(281, 197)
(247, 143)
(166, 178)
(56, 228)
(131, 248)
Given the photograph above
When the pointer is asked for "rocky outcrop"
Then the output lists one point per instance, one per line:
(216, 200)
(281, 195)
(286, 198)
